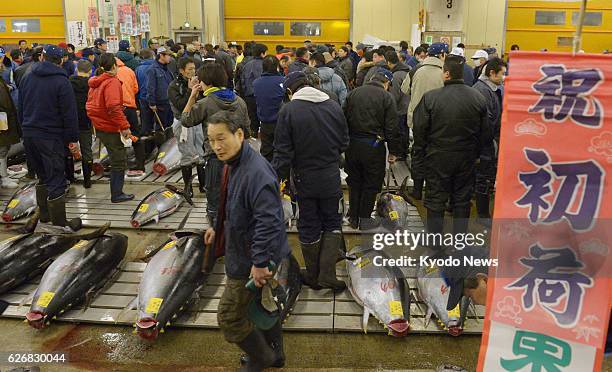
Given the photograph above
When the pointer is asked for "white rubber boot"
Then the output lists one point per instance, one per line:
(7, 182)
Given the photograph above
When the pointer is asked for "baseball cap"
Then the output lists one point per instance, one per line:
(99, 41)
(54, 51)
(458, 52)
(124, 45)
(87, 52)
(480, 54)
(490, 50)
(294, 79)
(163, 50)
(437, 49)
(455, 275)
(383, 72)
(360, 46)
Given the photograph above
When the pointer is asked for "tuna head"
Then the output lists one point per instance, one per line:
(21, 204)
(156, 205)
(168, 158)
(168, 283)
(74, 275)
(289, 285)
(393, 211)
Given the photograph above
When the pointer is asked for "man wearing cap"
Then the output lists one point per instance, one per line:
(467, 281)
(371, 114)
(451, 131)
(48, 116)
(425, 77)
(90, 55)
(468, 73)
(100, 46)
(311, 134)
(126, 57)
(480, 59)
(158, 80)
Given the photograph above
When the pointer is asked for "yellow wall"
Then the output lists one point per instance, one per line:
(50, 13)
(523, 31)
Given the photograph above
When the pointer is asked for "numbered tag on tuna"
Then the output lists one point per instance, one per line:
(363, 262)
(143, 208)
(397, 197)
(168, 194)
(393, 215)
(431, 269)
(13, 203)
(454, 313)
(161, 155)
(45, 299)
(395, 308)
(286, 197)
(154, 304)
(169, 245)
(80, 244)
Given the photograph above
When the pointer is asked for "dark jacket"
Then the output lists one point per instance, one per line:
(298, 65)
(69, 67)
(452, 119)
(238, 75)
(377, 66)
(251, 72)
(178, 94)
(468, 75)
(158, 81)
(269, 94)
(142, 77)
(492, 94)
(47, 107)
(226, 60)
(10, 136)
(129, 59)
(311, 133)
(346, 64)
(362, 71)
(21, 71)
(254, 227)
(80, 87)
(371, 112)
(400, 71)
(412, 62)
(355, 59)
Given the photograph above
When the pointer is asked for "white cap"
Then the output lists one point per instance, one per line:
(458, 52)
(480, 54)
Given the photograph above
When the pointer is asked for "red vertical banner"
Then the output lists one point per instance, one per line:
(548, 303)
(92, 17)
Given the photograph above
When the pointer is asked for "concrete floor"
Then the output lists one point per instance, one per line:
(115, 348)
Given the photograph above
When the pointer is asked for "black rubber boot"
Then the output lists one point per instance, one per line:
(87, 167)
(311, 251)
(482, 206)
(461, 218)
(274, 337)
(57, 213)
(260, 354)
(331, 247)
(187, 172)
(41, 201)
(139, 153)
(116, 185)
(417, 189)
(201, 177)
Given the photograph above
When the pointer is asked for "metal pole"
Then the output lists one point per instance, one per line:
(578, 35)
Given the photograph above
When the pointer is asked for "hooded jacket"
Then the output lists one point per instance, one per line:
(311, 133)
(105, 104)
(251, 71)
(332, 82)
(492, 94)
(400, 72)
(269, 94)
(298, 65)
(213, 102)
(47, 107)
(159, 78)
(141, 76)
(427, 77)
(80, 86)
(129, 59)
(362, 71)
(129, 84)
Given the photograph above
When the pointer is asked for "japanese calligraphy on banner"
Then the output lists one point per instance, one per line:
(145, 18)
(548, 303)
(92, 17)
(113, 44)
(77, 33)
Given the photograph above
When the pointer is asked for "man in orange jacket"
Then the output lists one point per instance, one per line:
(129, 87)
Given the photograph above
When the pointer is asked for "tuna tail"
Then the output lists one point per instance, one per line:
(364, 319)
(428, 316)
(94, 234)
(30, 226)
(176, 190)
(130, 306)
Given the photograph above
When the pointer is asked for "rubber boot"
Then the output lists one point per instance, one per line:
(417, 190)
(274, 337)
(201, 177)
(57, 213)
(41, 201)
(187, 171)
(461, 218)
(87, 167)
(331, 246)
(311, 252)
(260, 354)
(139, 153)
(116, 185)
(7, 182)
(482, 206)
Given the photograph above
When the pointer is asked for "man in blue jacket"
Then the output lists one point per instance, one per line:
(146, 114)
(269, 94)
(48, 116)
(251, 71)
(311, 135)
(250, 231)
(158, 80)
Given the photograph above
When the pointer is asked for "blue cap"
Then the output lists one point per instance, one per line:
(383, 72)
(54, 51)
(292, 80)
(87, 52)
(124, 45)
(436, 49)
(490, 50)
(99, 41)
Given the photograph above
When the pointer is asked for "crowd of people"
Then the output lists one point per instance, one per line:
(316, 109)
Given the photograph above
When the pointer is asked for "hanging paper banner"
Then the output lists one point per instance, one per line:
(77, 34)
(113, 44)
(548, 303)
(111, 29)
(145, 17)
(120, 13)
(92, 17)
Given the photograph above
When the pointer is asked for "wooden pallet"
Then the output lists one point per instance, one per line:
(319, 311)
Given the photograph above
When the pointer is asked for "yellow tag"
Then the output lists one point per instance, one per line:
(161, 155)
(393, 215)
(454, 313)
(395, 308)
(431, 269)
(80, 244)
(283, 184)
(13, 203)
(363, 262)
(168, 194)
(103, 155)
(397, 197)
(169, 245)
(143, 208)
(286, 197)
(153, 305)
(45, 299)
